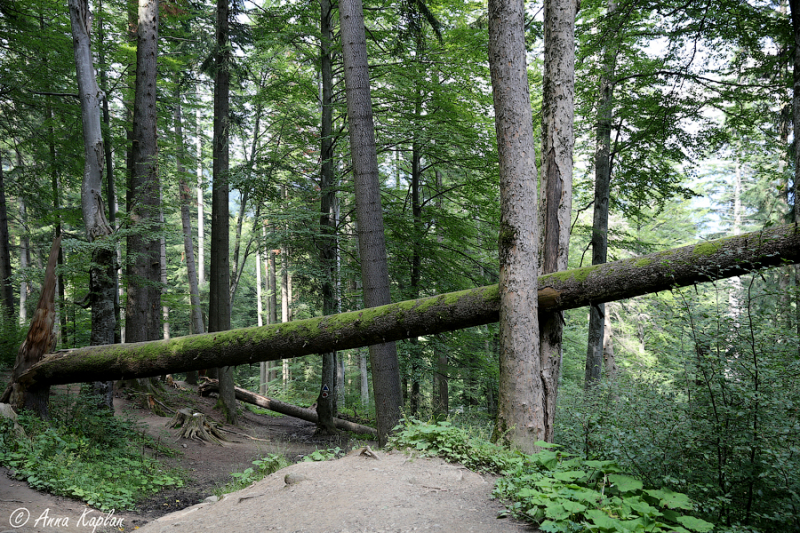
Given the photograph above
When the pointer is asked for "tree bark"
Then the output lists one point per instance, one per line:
(39, 341)
(288, 409)
(111, 194)
(441, 394)
(557, 147)
(201, 232)
(327, 398)
(102, 286)
(219, 290)
(521, 402)
(24, 255)
(5, 251)
(794, 7)
(185, 198)
(680, 267)
(143, 310)
(602, 193)
(371, 239)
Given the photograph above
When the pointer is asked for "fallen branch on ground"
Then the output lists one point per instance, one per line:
(286, 408)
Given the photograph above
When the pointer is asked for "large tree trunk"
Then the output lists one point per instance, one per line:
(143, 310)
(371, 239)
(327, 399)
(219, 291)
(520, 416)
(557, 147)
(288, 409)
(5, 251)
(680, 267)
(102, 286)
(602, 193)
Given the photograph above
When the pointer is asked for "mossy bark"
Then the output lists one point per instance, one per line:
(778, 245)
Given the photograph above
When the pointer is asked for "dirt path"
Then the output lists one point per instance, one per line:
(396, 493)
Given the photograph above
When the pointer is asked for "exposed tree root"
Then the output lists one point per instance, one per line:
(195, 426)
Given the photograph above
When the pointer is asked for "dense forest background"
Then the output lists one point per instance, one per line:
(700, 385)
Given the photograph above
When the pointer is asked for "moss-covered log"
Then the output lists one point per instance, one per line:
(678, 267)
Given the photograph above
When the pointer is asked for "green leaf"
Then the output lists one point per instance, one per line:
(642, 507)
(570, 475)
(547, 459)
(601, 519)
(543, 444)
(573, 507)
(673, 500)
(696, 524)
(625, 483)
(556, 511)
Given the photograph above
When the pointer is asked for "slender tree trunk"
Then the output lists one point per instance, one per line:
(609, 361)
(111, 194)
(5, 250)
(24, 257)
(521, 404)
(440, 384)
(327, 399)
(602, 193)
(162, 248)
(273, 304)
(219, 301)
(286, 314)
(371, 240)
(794, 6)
(416, 245)
(557, 147)
(201, 234)
(101, 276)
(186, 223)
(262, 367)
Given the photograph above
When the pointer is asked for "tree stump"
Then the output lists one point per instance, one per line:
(195, 426)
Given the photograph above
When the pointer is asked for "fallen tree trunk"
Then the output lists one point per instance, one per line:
(278, 406)
(679, 267)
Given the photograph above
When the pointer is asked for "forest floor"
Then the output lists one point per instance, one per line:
(397, 492)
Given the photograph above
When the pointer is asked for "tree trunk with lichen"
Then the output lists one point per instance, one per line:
(679, 267)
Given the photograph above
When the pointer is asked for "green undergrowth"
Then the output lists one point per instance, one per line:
(556, 491)
(88, 454)
(269, 464)
(324, 455)
(261, 468)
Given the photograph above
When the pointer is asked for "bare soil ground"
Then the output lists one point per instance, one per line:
(397, 492)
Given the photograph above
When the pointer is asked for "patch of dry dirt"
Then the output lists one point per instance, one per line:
(397, 493)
